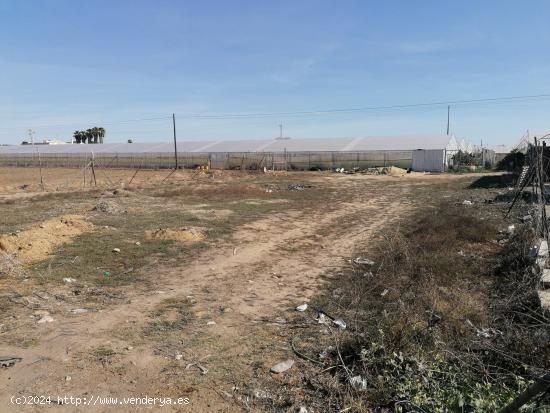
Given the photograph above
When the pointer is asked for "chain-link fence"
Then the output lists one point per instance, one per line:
(219, 160)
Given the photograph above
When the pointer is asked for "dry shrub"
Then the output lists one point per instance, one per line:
(416, 315)
(10, 265)
(217, 192)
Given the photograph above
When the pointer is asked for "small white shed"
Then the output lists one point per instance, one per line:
(437, 157)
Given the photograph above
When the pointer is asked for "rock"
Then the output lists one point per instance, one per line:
(261, 394)
(340, 323)
(129, 348)
(69, 280)
(79, 311)
(302, 307)
(138, 243)
(211, 323)
(116, 250)
(511, 229)
(302, 409)
(467, 202)
(45, 319)
(179, 356)
(67, 378)
(282, 366)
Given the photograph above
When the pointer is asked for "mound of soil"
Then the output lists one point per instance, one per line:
(40, 240)
(181, 234)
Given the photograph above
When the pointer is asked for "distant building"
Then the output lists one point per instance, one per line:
(501, 151)
(417, 152)
(46, 142)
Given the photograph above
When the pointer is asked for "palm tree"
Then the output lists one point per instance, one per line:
(101, 134)
(76, 136)
(89, 135)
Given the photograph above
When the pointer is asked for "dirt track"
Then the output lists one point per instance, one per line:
(269, 265)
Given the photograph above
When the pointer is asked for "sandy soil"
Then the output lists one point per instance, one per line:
(270, 265)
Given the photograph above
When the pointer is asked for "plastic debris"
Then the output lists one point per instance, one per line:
(340, 323)
(8, 361)
(363, 261)
(211, 323)
(282, 366)
(358, 382)
(322, 319)
(79, 310)
(116, 250)
(302, 307)
(179, 356)
(467, 202)
(69, 280)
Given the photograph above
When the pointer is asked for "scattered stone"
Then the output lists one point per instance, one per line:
(107, 208)
(261, 394)
(129, 348)
(179, 356)
(299, 187)
(138, 243)
(511, 229)
(282, 366)
(67, 378)
(45, 319)
(363, 261)
(302, 409)
(302, 307)
(467, 202)
(340, 323)
(79, 311)
(211, 323)
(116, 250)
(69, 280)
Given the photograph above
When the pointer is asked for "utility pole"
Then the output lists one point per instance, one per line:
(281, 130)
(31, 136)
(448, 117)
(175, 144)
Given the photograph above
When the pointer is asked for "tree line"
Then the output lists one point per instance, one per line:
(92, 135)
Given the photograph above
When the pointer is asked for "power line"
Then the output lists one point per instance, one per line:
(368, 108)
(94, 123)
(305, 113)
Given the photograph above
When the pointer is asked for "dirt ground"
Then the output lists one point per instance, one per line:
(113, 311)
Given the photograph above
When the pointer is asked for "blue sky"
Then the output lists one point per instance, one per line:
(67, 65)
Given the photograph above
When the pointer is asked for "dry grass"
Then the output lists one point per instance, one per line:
(10, 265)
(428, 327)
